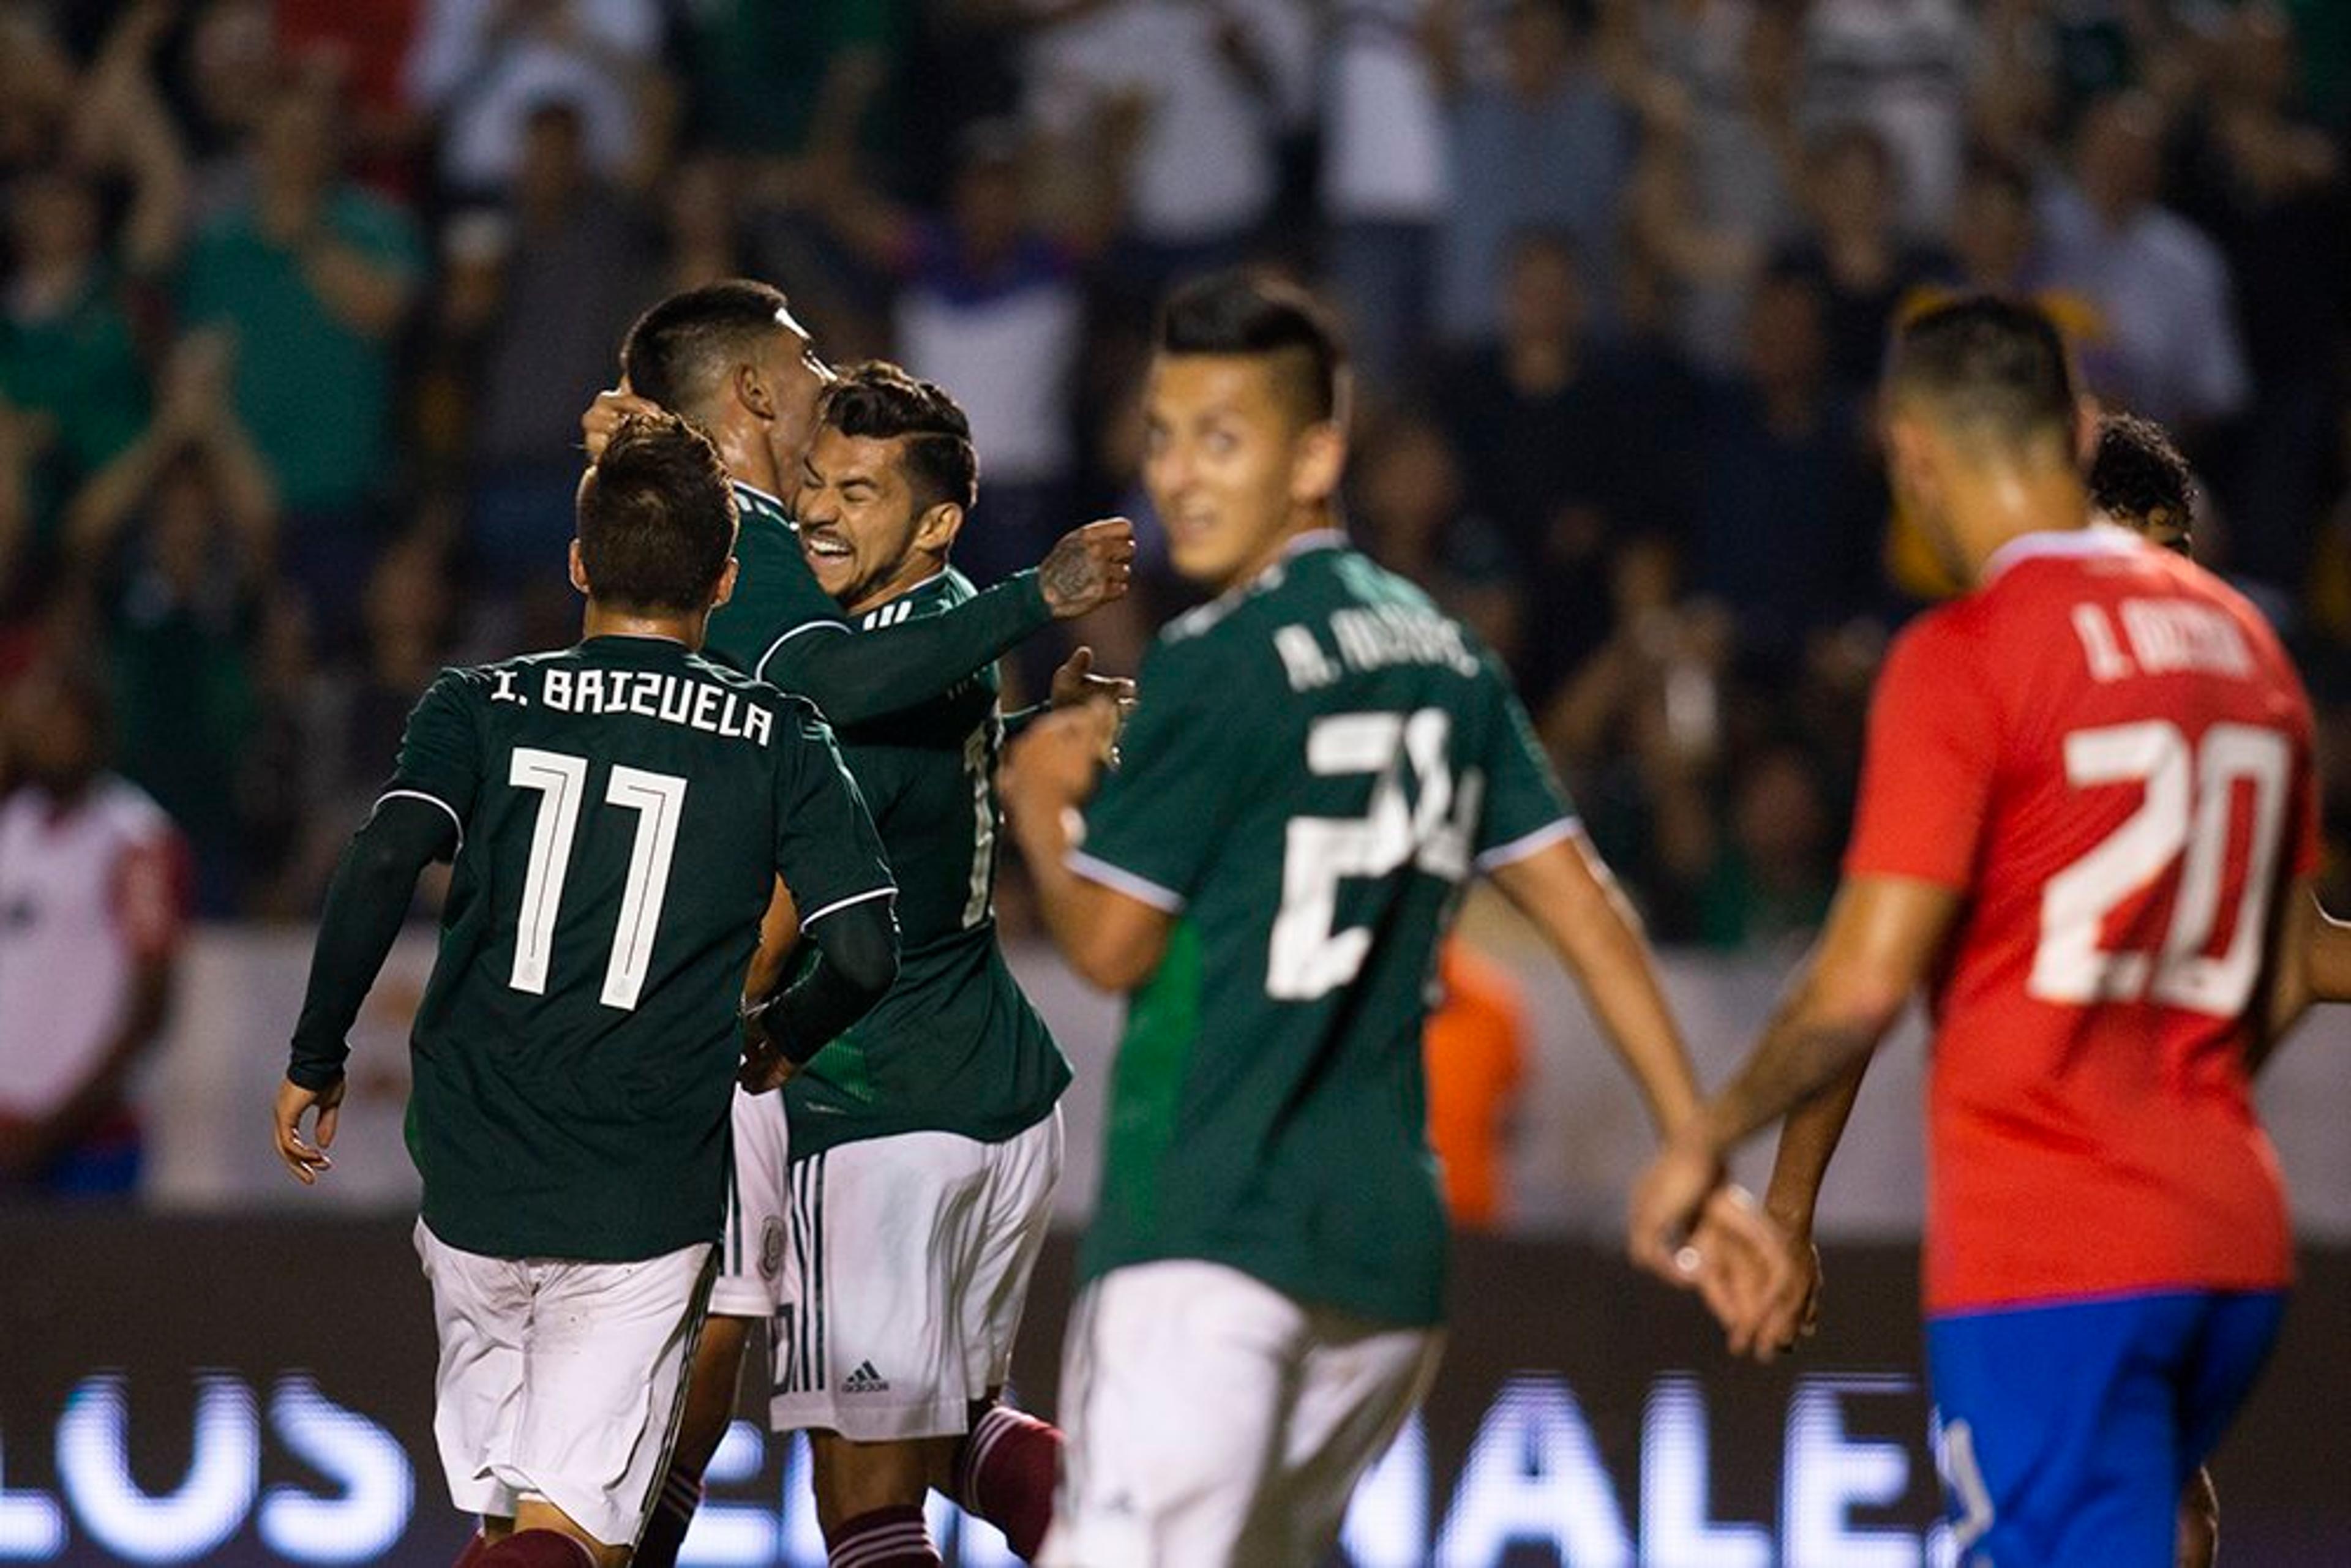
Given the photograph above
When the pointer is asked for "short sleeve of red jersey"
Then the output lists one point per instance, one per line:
(154, 880)
(1927, 774)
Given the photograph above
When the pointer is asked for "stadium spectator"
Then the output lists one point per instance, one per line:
(1862, 265)
(312, 277)
(1899, 67)
(2166, 342)
(177, 536)
(1409, 514)
(93, 885)
(571, 269)
(991, 303)
(1197, 98)
(1546, 142)
(1788, 514)
(481, 66)
(1769, 886)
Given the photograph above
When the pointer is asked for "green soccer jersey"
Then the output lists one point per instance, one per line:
(624, 807)
(1319, 760)
(954, 1047)
(777, 597)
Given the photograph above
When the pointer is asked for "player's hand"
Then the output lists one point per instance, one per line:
(1790, 1312)
(1055, 762)
(612, 405)
(294, 1102)
(765, 1070)
(1665, 1206)
(1087, 568)
(1747, 1265)
(1075, 683)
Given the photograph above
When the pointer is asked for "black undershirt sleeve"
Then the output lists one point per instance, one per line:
(855, 677)
(366, 904)
(856, 961)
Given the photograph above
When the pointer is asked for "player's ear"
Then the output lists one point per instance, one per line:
(579, 571)
(751, 390)
(726, 589)
(938, 527)
(1320, 459)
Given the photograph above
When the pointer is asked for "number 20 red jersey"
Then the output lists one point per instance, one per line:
(2107, 752)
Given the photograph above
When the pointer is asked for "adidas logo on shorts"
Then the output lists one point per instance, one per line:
(865, 1380)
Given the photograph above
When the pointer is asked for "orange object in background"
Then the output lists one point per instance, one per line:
(1475, 1047)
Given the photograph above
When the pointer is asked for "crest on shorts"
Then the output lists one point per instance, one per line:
(771, 1249)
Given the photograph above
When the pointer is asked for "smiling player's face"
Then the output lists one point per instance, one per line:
(1230, 462)
(864, 531)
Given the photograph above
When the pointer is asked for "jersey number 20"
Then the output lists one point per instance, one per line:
(2187, 809)
(1307, 958)
(657, 799)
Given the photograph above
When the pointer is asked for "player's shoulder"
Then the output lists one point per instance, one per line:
(130, 813)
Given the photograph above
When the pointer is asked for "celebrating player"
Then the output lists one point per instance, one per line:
(929, 1131)
(1320, 760)
(730, 357)
(617, 813)
(2087, 799)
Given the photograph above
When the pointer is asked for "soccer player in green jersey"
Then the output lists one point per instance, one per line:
(617, 813)
(901, 1211)
(1319, 760)
(731, 358)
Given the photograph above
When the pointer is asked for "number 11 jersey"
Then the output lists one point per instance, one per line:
(1319, 760)
(2106, 751)
(625, 807)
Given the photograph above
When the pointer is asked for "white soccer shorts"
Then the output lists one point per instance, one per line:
(751, 1244)
(561, 1379)
(1209, 1418)
(904, 1270)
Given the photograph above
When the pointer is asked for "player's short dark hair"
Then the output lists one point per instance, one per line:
(679, 352)
(1249, 314)
(656, 516)
(878, 401)
(2137, 472)
(1988, 367)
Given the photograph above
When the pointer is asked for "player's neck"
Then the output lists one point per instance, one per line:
(743, 449)
(1302, 521)
(1994, 505)
(912, 573)
(612, 621)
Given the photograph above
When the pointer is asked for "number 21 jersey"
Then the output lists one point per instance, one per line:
(1319, 760)
(2107, 752)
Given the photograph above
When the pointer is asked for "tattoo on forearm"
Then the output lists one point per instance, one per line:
(1070, 575)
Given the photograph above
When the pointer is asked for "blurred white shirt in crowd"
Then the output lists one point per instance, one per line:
(483, 78)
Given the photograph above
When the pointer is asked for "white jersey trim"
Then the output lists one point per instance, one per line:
(841, 903)
(1141, 889)
(420, 795)
(1527, 844)
(2098, 538)
(759, 670)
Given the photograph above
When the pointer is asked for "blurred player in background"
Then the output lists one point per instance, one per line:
(618, 813)
(2087, 828)
(1319, 762)
(924, 1144)
(730, 357)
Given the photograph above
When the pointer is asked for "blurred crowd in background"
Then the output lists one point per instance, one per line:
(303, 298)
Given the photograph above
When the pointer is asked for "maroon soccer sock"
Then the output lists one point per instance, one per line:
(1006, 1472)
(893, 1537)
(681, 1494)
(537, 1548)
(472, 1555)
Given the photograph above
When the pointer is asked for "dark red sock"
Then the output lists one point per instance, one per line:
(673, 1514)
(1006, 1472)
(537, 1548)
(472, 1555)
(886, 1538)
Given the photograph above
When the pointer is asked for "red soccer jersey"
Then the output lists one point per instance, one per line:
(2106, 751)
